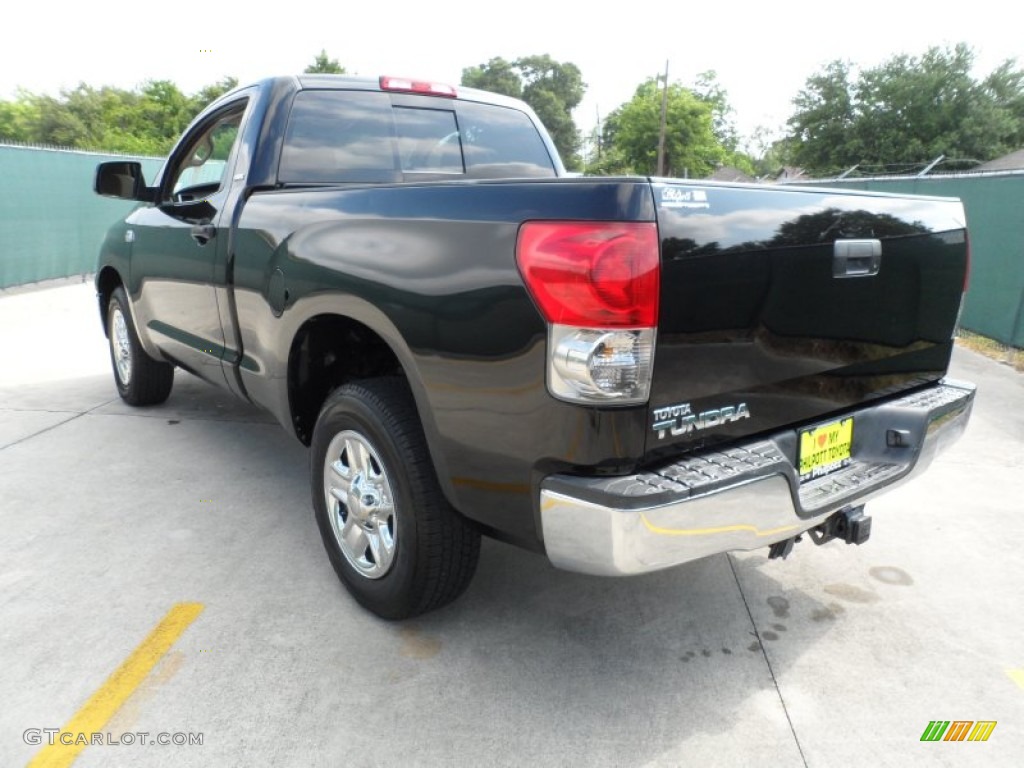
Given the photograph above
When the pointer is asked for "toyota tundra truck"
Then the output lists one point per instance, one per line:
(623, 374)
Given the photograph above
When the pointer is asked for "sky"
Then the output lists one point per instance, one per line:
(763, 52)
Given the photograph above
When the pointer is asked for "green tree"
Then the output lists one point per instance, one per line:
(1006, 84)
(165, 109)
(770, 150)
(610, 162)
(822, 126)
(552, 88)
(19, 118)
(496, 76)
(707, 89)
(691, 146)
(145, 121)
(906, 112)
(323, 65)
(208, 93)
(57, 124)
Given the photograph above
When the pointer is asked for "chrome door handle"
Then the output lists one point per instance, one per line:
(203, 233)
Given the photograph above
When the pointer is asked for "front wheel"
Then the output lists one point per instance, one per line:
(140, 379)
(392, 537)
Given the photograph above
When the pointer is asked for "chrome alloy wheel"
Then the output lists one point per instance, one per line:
(360, 504)
(120, 345)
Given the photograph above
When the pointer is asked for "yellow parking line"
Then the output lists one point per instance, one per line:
(1017, 675)
(98, 710)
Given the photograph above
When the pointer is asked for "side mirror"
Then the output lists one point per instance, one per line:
(123, 180)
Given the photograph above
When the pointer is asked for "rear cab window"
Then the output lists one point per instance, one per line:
(337, 136)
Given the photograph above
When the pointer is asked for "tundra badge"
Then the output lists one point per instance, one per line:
(680, 419)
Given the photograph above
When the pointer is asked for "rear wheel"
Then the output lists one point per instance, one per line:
(140, 379)
(392, 537)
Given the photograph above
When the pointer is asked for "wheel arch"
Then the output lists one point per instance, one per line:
(107, 280)
(330, 349)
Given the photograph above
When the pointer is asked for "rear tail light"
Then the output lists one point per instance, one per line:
(596, 284)
(967, 265)
(967, 282)
(596, 274)
(417, 86)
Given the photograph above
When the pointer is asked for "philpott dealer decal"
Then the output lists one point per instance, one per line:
(677, 197)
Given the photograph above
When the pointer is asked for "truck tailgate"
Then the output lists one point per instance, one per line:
(783, 306)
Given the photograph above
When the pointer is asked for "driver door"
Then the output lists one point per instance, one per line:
(176, 243)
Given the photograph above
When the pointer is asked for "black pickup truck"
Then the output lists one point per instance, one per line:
(622, 373)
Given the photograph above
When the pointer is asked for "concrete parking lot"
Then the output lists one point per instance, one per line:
(110, 517)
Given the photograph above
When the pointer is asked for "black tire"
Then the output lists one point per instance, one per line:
(433, 550)
(140, 379)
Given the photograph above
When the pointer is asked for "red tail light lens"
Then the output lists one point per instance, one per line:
(967, 266)
(592, 274)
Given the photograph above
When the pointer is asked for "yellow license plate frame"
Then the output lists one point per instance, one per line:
(824, 449)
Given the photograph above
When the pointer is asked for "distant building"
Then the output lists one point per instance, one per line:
(728, 173)
(1011, 162)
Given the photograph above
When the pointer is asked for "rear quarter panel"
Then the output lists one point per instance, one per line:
(431, 268)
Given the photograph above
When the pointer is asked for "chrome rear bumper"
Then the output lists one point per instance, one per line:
(743, 498)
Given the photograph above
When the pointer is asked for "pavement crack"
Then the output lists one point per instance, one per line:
(8, 409)
(767, 661)
(54, 426)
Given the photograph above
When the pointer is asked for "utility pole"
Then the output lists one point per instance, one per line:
(661, 131)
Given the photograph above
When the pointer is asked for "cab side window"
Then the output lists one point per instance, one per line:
(339, 136)
(201, 168)
(336, 137)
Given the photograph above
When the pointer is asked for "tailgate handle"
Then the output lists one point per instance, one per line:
(856, 258)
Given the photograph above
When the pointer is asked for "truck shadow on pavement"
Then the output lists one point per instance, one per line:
(616, 671)
(531, 665)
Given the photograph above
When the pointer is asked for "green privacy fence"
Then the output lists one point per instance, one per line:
(994, 203)
(51, 225)
(51, 222)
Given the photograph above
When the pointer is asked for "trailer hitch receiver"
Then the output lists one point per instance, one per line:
(849, 524)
